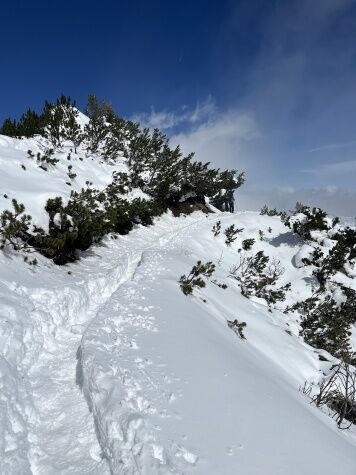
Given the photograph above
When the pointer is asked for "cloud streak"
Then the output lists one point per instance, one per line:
(333, 146)
(166, 120)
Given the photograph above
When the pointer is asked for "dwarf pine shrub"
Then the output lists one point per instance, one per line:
(216, 228)
(195, 278)
(272, 212)
(247, 244)
(257, 276)
(326, 323)
(231, 234)
(14, 227)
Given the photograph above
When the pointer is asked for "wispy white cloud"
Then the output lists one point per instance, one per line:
(214, 136)
(220, 139)
(165, 120)
(333, 146)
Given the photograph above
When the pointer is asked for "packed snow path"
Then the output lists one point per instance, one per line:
(111, 369)
(61, 435)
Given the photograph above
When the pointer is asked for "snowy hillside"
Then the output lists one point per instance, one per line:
(170, 387)
(23, 179)
(107, 366)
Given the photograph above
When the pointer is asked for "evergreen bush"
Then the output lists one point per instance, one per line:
(195, 278)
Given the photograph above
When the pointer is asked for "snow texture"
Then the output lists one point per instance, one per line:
(106, 367)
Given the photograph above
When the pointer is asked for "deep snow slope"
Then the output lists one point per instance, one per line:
(111, 369)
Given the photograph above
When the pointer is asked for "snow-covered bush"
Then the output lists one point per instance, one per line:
(86, 218)
(334, 246)
(46, 160)
(257, 276)
(237, 327)
(306, 219)
(327, 318)
(338, 392)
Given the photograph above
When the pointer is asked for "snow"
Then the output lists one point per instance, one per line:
(34, 186)
(106, 367)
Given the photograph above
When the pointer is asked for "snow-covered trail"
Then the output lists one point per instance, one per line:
(115, 371)
(173, 390)
(61, 432)
(108, 350)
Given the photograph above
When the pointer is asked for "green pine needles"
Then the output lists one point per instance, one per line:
(195, 279)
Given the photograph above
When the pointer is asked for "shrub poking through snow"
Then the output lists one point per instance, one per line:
(265, 211)
(195, 279)
(247, 244)
(306, 220)
(46, 160)
(219, 284)
(231, 234)
(237, 327)
(337, 391)
(257, 276)
(71, 174)
(217, 229)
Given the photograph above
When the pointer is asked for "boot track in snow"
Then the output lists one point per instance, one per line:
(62, 433)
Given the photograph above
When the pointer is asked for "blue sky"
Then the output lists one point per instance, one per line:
(265, 86)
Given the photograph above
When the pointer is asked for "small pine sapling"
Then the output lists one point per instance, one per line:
(216, 229)
(247, 244)
(195, 277)
(46, 160)
(231, 234)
